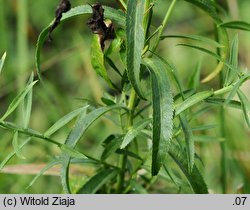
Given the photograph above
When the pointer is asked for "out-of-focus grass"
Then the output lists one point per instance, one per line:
(70, 79)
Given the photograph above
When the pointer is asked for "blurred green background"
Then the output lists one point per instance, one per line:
(70, 79)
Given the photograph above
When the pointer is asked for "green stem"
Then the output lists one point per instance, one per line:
(123, 162)
(222, 123)
(28, 132)
(164, 23)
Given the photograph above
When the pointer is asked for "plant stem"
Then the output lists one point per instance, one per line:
(123, 162)
(164, 23)
(222, 126)
(28, 132)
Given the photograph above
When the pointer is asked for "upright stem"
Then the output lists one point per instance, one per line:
(222, 129)
(164, 23)
(129, 124)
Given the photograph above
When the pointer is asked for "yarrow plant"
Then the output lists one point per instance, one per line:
(153, 108)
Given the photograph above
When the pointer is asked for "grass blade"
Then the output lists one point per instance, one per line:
(245, 106)
(162, 112)
(192, 100)
(17, 100)
(241, 25)
(135, 42)
(134, 131)
(97, 181)
(64, 120)
(2, 61)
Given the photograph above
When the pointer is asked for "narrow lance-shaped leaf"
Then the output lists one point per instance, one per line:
(208, 6)
(189, 142)
(111, 147)
(97, 61)
(194, 80)
(27, 103)
(16, 146)
(192, 100)
(12, 154)
(16, 101)
(135, 42)
(47, 167)
(82, 124)
(233, 60)
(162, 112)
(64, 120)
(203, 39)
(236, 87)
(195, 178)
(2, 61)
(97, 181)
(110, 13)
(245, 105)
(134, 131)
(241, 25)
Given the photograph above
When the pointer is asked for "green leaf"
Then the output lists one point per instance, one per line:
(72, 152)
(191, 101)
(82, 124)
(236, 87)
(85, 121)
(241, 25)
(189, 142)
(27, 104)
(128, 153)
(47, 167)
(97, 61)
(221, 102)
(16, 146)
(16, 101)
(162, 111)
(203, 127)
(206, 40)
(137, 187)
(245, 106)
(111, 147)
(135, 42)
(233, 60)
(2, 61)
(97, 181)
(134, 131)
(113, 14)
(220, 65)
(208, 6)
(194, 80)
(11, 154)
(64, 120)
(195, 178)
